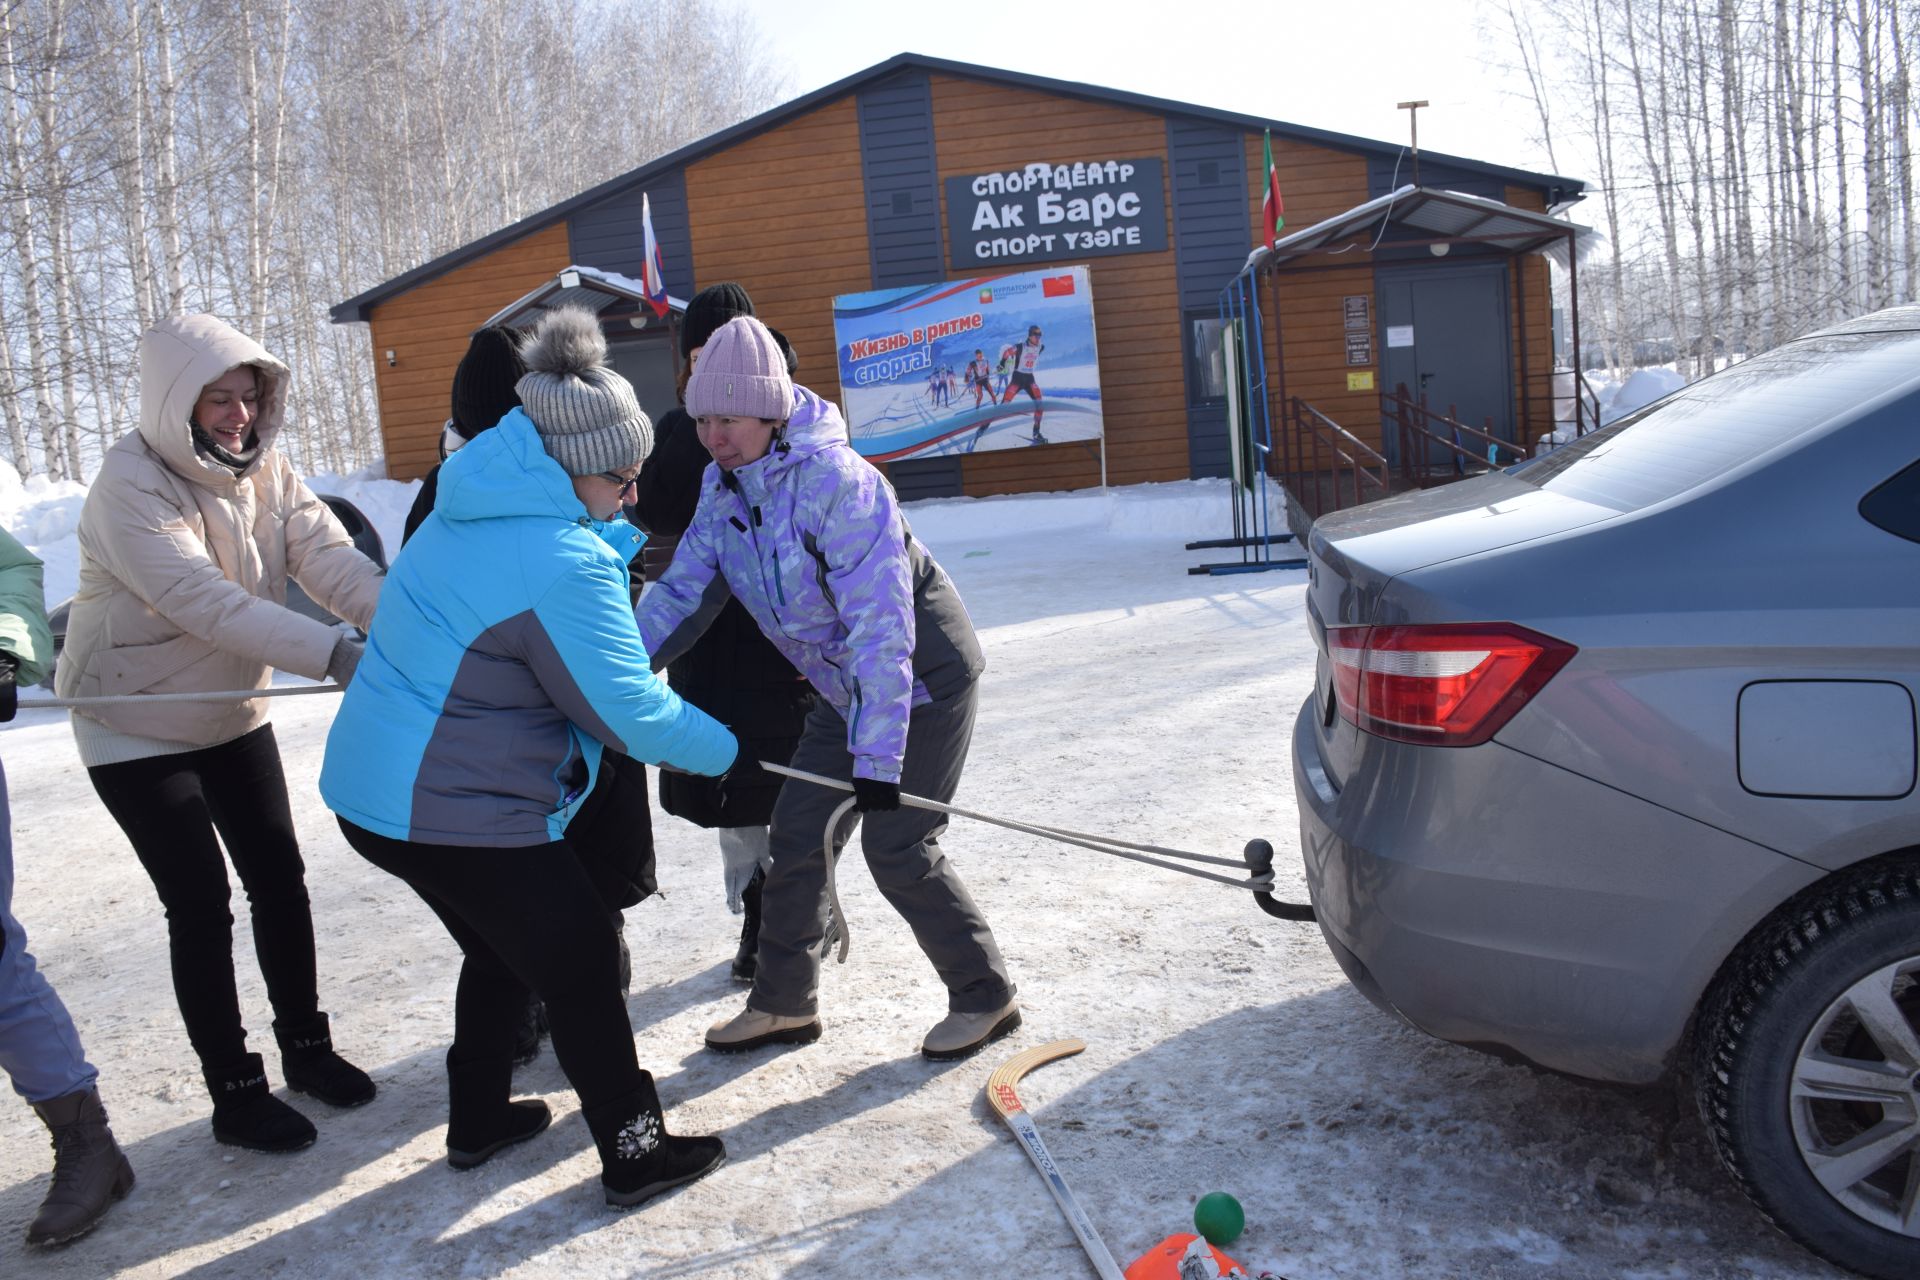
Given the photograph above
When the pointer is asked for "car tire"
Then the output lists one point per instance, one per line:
(1790, 1075)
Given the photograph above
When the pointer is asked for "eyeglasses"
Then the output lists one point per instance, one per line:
(625, 482)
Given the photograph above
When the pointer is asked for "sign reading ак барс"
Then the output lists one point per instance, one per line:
(1047, 212)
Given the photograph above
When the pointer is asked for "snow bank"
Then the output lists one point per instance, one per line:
(45, 515)
(1642, 388)
(1178, 510)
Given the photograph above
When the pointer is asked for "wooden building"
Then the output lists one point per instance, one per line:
(849, 189)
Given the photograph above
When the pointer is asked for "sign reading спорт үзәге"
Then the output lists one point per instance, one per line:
(965, 366)
(1046, 212)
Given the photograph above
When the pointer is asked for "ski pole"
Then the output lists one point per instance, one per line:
(214, 695)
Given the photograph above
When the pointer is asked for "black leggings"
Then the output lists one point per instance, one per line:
(526, 918)
(170, 808)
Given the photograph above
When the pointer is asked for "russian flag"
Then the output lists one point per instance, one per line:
(655, 276)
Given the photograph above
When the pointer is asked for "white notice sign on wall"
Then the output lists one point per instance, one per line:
(1399, 335)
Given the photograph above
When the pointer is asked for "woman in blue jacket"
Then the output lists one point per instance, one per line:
(504, 662)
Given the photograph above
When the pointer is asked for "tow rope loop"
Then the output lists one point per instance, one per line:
(1260, 883)
(215, 695)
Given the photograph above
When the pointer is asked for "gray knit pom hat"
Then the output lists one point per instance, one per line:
(587, 416)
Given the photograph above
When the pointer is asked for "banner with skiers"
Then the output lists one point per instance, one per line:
(991, 362)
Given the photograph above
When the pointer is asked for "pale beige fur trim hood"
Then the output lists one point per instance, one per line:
(184, 564)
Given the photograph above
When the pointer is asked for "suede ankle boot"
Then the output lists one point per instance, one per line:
(639, 1159)
(246, 1114)
(746, 961)
(311, 1065)
(90, 1171)
(481, 1118)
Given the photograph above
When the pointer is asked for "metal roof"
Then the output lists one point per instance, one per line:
(1558, 189)
(1445, 216)
(577, 286)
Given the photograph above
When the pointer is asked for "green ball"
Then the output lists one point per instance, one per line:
(1219, 1218)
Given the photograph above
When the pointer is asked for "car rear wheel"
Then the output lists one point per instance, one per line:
(1808, 1071)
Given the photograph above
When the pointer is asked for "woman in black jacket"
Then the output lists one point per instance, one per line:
(733, 672)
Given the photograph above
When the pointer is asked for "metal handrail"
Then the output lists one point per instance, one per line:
(1415, 418)
(1308, 426)
(1583, 392)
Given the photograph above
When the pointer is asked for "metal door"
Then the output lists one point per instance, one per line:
(1444, 333)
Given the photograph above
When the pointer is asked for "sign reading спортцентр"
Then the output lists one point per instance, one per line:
(1046, 212)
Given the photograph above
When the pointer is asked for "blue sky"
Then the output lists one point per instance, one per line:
(1338, 66)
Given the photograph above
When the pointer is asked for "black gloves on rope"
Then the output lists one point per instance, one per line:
(870, 795)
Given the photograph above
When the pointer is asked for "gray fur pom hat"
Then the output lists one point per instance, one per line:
(587, 416)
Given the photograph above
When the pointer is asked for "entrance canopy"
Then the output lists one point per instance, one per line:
(1432, 217)
(607, 294)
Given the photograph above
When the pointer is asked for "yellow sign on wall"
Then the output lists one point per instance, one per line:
(1360, 381)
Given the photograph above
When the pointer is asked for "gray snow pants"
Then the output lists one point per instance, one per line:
(903, 853)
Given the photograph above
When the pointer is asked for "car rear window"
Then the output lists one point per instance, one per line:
(1711, 426)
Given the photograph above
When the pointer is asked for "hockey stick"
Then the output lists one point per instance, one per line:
(1004, 1096)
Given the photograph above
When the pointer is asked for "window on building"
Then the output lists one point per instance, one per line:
(1206, 361)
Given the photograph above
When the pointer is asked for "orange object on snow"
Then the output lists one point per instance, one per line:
(1162, 1262)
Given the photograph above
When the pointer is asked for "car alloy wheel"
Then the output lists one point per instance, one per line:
(1809, 1069)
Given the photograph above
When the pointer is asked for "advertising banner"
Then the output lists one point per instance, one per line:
(1046, 212)
(994, 362)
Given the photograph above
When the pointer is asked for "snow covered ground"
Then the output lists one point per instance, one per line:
(1225, 1049)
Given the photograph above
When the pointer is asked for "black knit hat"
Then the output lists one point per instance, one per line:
(712, 307)
(483, 385)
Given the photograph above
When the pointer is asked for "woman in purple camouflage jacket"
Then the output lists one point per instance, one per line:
(809, 537)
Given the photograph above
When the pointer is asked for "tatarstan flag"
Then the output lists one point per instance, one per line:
(1270, 206)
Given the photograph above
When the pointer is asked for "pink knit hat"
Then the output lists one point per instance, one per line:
(741, 374)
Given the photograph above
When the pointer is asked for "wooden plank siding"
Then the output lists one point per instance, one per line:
(1532, 411)
(1316, 183)
(428, 327)
(784, 213)
(1135, 296)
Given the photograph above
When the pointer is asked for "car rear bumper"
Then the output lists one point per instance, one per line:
(1503, 903)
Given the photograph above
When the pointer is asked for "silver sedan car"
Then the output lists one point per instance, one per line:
(1610, 768)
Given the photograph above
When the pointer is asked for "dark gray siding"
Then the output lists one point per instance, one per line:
(1211, 238)
(608, 235)
(903, 190)
(903, 224)
(925, 478)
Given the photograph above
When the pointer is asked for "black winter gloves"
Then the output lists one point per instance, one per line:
(9, 696)
(870, 795)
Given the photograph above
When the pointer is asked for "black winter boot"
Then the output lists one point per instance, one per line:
(481, 1119)
(90, 1171)
(746, 961)
(638, 1157)
(245, 1114)
(311, 1065)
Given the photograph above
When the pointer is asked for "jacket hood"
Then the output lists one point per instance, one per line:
(179, 356)
(814, 427)
(815, 423)
(507, 472)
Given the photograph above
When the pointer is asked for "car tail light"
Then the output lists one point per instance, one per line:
(1450, 685)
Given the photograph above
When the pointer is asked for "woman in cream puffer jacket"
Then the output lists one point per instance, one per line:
(187, 540)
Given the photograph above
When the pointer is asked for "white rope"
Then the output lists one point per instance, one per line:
(215, 695)
(1099, 844)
